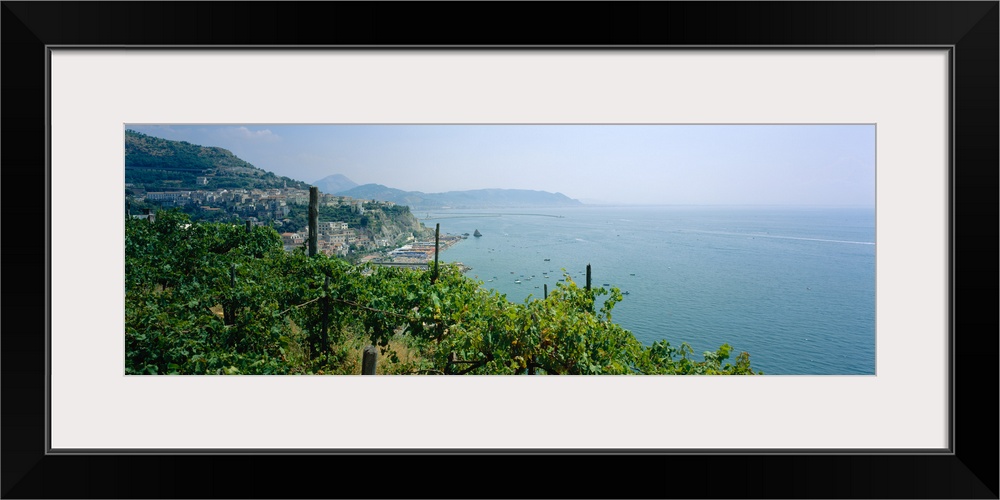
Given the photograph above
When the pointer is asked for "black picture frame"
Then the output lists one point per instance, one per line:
(969, 28)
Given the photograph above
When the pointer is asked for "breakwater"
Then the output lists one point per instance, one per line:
(461, 215)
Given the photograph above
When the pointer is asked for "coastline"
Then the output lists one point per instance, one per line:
(417, 254)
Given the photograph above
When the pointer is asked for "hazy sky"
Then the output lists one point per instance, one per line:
(620, 164)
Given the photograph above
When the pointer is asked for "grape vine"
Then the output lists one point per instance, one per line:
(216, 298)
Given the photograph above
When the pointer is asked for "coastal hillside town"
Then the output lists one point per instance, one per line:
(347, 227)
(273, 204)
(210, 184)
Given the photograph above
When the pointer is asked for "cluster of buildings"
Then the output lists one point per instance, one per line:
(418, 252)
(260, 203)
(257, 205)
(421, 251)
(333, 239)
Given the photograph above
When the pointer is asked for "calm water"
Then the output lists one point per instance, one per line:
(794, 287)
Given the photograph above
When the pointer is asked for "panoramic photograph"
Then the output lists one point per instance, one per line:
(371, 249)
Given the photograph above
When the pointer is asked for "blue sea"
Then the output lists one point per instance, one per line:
(794, 287)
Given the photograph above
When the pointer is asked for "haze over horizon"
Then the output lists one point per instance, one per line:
(607, 164)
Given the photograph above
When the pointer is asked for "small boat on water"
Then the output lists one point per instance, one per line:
(517, 281)
(477, 233)
(625, 292)
(546, 260)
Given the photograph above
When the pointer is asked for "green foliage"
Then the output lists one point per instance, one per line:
(212, 298)
(161, 164)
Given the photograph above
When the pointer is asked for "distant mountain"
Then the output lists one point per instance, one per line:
(157, 164)
(335, 183)
(478, 198)
(384, 193)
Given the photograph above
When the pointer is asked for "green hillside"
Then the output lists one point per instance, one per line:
(157, 164)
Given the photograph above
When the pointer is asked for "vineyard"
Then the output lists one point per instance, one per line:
(216, 298)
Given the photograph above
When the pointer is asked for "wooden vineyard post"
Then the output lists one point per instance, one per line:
(325, 337)
(368, 360)
(545, 290)
(437, 241)
(590, 297)
(313, 218)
